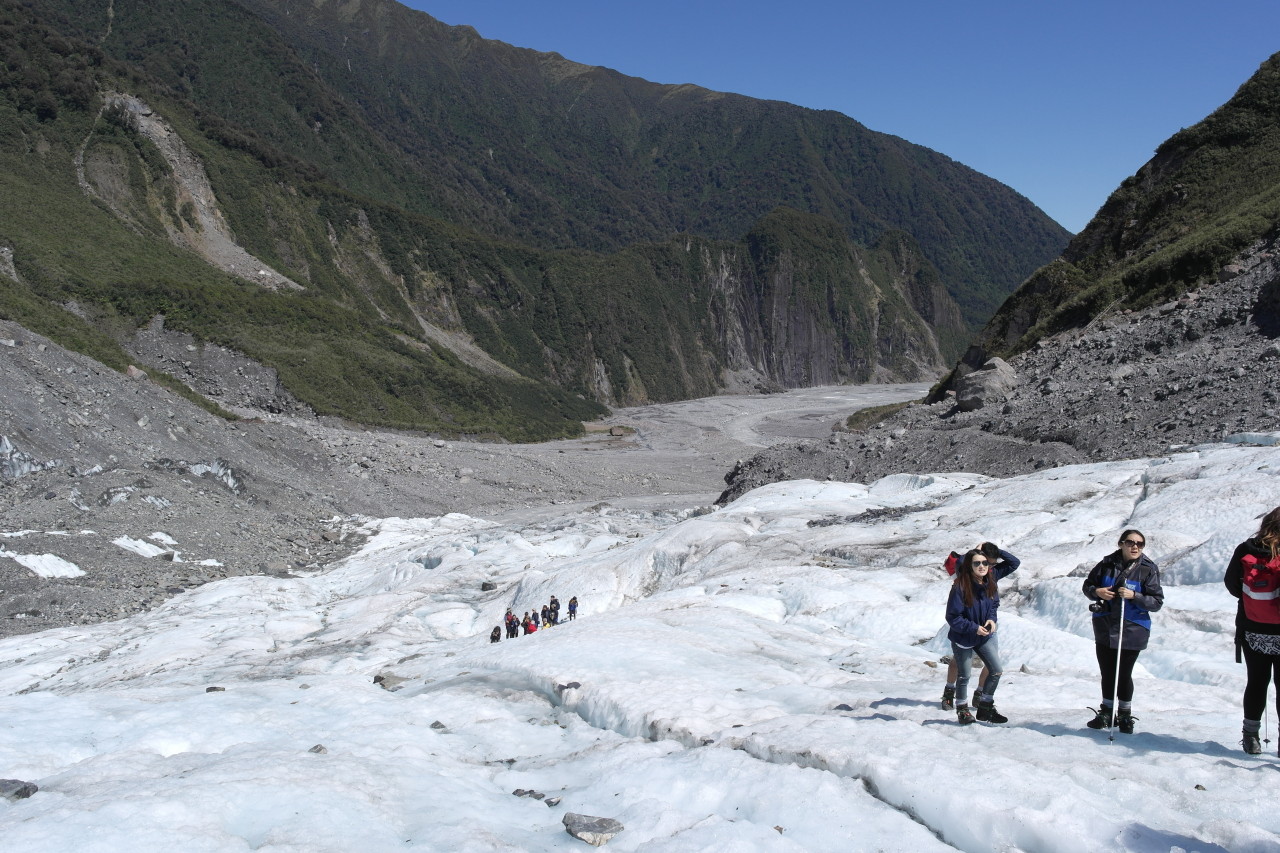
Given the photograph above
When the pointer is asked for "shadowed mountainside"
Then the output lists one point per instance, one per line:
(486, 240)
(1156, 329)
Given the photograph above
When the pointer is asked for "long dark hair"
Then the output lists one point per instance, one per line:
(1269, 531)
(966, 580)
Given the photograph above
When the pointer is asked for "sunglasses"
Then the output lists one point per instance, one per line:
(1133, 543)
(977, 563)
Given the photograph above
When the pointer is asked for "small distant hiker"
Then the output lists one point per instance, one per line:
(529, 626)
(1003, 565)
(971, 615)
(573, 608)
(1253, 576)
(496, 634)
(513, 624)
(546, 616)
(1125, 588)
(555, 610)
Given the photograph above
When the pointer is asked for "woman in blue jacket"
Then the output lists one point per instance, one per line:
(1127, 581)
(1003, 564)
(971, 615)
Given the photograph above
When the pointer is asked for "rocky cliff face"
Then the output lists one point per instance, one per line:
(824, 315)
(1140, 383)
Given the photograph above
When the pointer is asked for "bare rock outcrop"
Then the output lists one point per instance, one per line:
(202, 229)
(7, 267)
(993, 383)
(231, 379)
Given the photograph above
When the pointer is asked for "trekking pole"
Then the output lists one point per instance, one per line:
(1115, 688)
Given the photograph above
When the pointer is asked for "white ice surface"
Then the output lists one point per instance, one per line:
(139, 546)
(45, 565)
(745, 681)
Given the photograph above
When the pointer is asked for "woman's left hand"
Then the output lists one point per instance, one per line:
(1126, 593)
(990, 625)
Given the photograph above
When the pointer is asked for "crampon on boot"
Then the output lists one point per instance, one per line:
(1251, 742)
(1102, 720)
(987, 713)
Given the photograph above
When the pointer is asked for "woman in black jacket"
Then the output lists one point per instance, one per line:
(1253, 576)
(1127, 580)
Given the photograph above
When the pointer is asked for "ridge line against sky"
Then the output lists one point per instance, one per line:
(1061, 102)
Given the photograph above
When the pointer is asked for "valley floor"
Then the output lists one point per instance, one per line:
(127, 495)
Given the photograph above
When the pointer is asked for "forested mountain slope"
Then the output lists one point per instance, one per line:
(484, 239)
(1155, 330)
(1210, 192)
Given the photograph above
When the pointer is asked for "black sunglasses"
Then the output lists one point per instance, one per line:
(979, 563)
(1134, 542)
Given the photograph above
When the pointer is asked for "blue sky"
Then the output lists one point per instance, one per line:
(1061, 101)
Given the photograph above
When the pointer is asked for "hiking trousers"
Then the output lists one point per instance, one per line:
(989, 652)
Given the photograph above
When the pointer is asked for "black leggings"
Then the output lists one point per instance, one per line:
(1259, 668)
(1107, 666)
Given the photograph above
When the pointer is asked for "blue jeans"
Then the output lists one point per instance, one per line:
(990, 654)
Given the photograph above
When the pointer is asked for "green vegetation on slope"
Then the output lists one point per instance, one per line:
(1210, 191)
(68, 249)
(340, 180)
(396, 107)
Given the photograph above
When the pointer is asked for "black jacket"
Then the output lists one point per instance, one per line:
(1143, 577)
(1234, 581)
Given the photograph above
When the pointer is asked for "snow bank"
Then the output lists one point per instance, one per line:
(763, 676)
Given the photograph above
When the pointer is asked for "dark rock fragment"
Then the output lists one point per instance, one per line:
(16, 789)
(596, 831)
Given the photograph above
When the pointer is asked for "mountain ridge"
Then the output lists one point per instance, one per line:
(420, 311)
(1210, 191)
(1155, 330)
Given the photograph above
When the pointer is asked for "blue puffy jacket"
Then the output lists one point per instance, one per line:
(1143, 577)
(964, 619)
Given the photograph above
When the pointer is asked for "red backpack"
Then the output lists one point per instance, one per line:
(952, 562)
(1261, 589)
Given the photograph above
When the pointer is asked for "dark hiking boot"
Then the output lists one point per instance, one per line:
(987, 713)
(1125, 721)
(948, 698)
(1251, 743)
(963, 716)
(1102, 720)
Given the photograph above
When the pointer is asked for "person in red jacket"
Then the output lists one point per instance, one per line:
(1253, 576)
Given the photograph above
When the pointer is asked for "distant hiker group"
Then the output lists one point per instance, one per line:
(547, 616)
(1123, 590)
